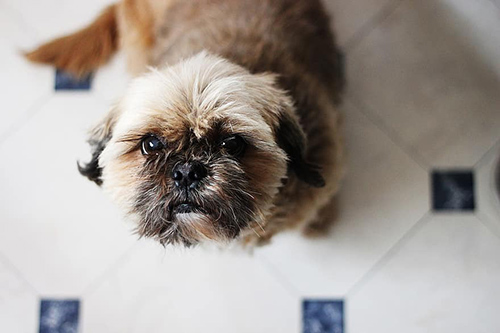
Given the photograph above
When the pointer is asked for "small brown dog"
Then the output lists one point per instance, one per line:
(225, 135)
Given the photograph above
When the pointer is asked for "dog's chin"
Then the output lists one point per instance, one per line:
(188, 214)
(189, 224)
(194, 225)
(190, 218)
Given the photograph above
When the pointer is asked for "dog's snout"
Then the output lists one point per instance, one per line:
(189, 174)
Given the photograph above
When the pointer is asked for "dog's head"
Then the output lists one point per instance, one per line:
(199, 150)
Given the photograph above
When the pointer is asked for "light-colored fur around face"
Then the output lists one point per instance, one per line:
(193, 96)
(182, 93)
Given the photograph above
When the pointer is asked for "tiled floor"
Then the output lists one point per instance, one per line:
(423, 99)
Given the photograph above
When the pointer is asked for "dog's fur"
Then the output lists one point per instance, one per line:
(266, 70)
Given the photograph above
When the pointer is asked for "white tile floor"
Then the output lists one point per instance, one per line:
(424, 93)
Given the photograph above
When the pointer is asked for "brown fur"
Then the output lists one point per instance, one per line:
(290, 38)
(136, 23)
(84, 51)
(236, 195)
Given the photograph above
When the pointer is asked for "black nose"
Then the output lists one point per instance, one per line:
(188, 175)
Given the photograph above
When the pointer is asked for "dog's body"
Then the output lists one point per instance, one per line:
(268, 78)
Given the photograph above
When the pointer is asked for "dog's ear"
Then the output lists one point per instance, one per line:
(291, 139)
(98, 139)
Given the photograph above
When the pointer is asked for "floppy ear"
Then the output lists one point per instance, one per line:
(291, 139)
(98, 139)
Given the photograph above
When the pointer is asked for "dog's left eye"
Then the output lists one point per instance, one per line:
(234, 145)
(151, 145)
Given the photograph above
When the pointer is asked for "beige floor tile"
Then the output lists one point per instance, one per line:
(18, 302)
(350, 16)
(190, 291)
(383, 195)
(58, 228)
(436, 87)
(443, 280)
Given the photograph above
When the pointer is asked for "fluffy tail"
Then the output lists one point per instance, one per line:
(83, 51)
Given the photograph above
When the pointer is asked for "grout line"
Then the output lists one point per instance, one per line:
(90, 288)
(18, 273)
(485, 221)
(480, 163)
(24, 118)
(279, 277)
(389, 254)
(391, 134)
(367, 27)
(496, 4)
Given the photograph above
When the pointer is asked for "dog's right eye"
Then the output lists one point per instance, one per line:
(151, 145)
(234, 145)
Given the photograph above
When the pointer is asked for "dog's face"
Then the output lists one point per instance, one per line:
(199, 151)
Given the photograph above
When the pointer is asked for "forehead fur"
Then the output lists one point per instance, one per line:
(197, 93)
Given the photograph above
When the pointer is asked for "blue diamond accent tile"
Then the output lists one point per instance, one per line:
(66, 81)
(323, 316)
(59, 316)
(453, 191)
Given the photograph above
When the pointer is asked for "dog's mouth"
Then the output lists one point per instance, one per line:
(185, 220)
(186, 208)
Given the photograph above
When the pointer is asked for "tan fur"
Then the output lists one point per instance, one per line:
(260, 62)
(84, 51)
(136, 22)
(193, 96)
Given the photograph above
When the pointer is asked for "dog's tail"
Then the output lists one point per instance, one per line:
(83, 51)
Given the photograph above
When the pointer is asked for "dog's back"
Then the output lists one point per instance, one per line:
(288, 37)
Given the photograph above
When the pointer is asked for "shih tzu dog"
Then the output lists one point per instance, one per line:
(231, 128)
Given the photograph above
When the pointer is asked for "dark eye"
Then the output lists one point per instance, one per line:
(234, 145)
(150, 145)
